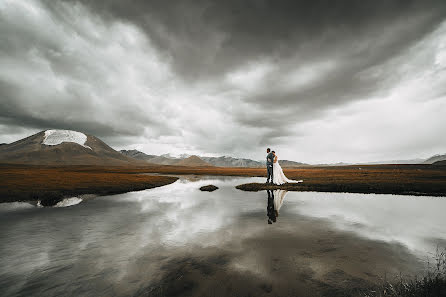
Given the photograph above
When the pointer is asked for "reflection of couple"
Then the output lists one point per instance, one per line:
(275, 201)
(275, 173)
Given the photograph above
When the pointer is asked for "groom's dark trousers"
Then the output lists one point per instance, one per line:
(269, 167)
(270, 174)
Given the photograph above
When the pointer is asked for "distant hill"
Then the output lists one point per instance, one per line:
(153, 159)
(62, 147)
(166, 159)
(440, 163)
(240, 162)
(225, 161)
(192, 161)
(435, 158)
(290, 164)
(137, 155)
(408, 161)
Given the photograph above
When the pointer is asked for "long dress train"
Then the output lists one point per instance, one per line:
(279, 177)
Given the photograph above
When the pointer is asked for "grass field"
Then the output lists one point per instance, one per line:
(31, 183)
(51, 184)
(383, 179)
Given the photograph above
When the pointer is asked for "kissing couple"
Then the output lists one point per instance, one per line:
(275, 173)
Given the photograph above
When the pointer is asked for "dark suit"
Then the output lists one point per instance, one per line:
(269, 167)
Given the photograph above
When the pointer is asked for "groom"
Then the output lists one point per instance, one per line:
(269, 166)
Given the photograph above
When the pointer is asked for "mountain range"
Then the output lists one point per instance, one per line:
(66, 147)
(223, 161)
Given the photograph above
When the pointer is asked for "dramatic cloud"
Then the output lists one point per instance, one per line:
(320, 81)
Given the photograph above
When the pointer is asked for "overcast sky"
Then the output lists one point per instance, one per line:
(318, 81)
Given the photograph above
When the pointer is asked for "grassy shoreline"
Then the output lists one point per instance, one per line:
(431, 284)
(420, 180)
(339, 188)
(53, 183)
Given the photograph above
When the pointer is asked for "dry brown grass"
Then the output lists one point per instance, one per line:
(20, 182)
(384, 179)
(30, 183)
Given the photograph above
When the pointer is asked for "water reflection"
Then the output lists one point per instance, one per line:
(278, 201)
(270, 207)
(179, 241)
(275, 200)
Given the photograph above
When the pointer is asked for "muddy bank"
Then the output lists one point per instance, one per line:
(346, 187)
(50, 185)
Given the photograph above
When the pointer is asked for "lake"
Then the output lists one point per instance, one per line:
(179, 241)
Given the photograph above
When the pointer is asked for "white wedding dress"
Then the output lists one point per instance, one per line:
(279, 177)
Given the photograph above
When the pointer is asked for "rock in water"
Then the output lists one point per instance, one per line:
(208, 188)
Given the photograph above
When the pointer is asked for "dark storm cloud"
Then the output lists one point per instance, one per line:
(207, 37)
(215, 76)
(63, 69)
(15, 115)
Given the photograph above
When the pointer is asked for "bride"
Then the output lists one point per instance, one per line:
(279, 177)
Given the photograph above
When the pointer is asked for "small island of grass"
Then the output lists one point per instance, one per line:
(208, 188)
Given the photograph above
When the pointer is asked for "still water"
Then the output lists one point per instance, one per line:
(178, 241)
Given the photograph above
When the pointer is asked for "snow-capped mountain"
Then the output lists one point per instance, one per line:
(62, 147)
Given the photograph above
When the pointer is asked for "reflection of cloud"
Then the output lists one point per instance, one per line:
(184, 212)
(411, 221)
(123, 242)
